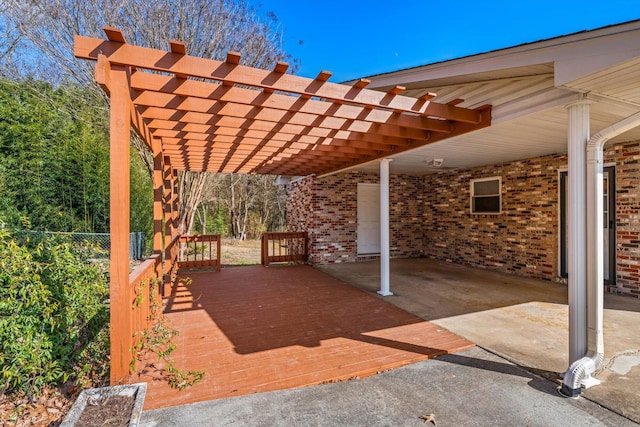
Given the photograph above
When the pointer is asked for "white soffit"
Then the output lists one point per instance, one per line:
(528, 116)
(618, 83)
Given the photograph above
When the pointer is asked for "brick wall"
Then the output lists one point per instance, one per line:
(521, 240)
(627, 159)
(299, 209)
(327, 209)
(430, 216)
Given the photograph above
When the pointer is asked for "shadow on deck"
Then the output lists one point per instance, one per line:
(256, 329)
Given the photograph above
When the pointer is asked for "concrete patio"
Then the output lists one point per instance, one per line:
(470, 388)
(520, 319)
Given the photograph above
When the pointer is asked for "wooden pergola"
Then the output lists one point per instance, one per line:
(198, 114)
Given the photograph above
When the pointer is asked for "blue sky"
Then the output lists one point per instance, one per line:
(361, 38)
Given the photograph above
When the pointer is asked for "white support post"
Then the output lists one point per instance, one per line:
(384, 228)
(578, 136)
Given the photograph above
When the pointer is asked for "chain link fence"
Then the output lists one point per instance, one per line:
(98, 245)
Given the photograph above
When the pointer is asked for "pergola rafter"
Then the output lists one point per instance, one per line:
(220, 116)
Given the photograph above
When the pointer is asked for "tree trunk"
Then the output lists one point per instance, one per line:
(190, 187)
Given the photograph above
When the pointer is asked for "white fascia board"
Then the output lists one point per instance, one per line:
(591, 56)
(614, 44)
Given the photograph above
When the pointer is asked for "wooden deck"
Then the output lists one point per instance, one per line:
(256, 329)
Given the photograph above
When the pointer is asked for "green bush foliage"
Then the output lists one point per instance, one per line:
(54, 157)
(52, 313)
(54, 161)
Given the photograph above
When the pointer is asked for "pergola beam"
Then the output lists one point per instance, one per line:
(230, 72)
(225, 117)
(179, 106)
(349, 130)
(184, 95)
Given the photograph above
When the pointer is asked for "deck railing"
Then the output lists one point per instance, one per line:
(199, 251)
(144, 294)
(170, 264)
(144, 281)
(284, 247)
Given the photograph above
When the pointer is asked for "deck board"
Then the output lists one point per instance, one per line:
(256, 329)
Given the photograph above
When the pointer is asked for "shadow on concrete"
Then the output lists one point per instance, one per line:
(541, 380)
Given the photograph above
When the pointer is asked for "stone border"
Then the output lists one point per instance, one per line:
(138, 390)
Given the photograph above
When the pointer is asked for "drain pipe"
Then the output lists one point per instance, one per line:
(580, 372)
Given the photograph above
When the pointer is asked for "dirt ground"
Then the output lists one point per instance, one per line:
(47, 409)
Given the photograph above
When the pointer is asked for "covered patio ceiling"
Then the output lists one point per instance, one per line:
(528, 87)
(220, 116)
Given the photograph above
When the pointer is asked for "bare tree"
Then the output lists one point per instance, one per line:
(209, 29)
(9, 41)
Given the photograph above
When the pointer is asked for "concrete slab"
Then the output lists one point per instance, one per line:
(469, 388)
(521, 319)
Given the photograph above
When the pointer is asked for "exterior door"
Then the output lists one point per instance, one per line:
(368, 219)
(609, 223)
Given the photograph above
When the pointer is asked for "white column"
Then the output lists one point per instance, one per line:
(384, 228)
(578, 136)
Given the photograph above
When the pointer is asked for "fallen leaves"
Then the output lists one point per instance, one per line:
(47, 409)
(430, 418)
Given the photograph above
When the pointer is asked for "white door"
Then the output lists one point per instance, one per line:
(368, 219)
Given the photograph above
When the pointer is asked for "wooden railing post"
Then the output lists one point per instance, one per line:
(218, 253)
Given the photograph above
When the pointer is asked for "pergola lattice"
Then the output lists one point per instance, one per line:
(200, 114)
(224, 117)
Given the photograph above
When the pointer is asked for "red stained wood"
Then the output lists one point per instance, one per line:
(284, 247)
(121, 293)
(332, 116)
(197, 251)
(256, 329)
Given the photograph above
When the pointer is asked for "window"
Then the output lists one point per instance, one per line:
(485, 195)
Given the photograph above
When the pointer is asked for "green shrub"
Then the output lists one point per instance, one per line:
(52, 307)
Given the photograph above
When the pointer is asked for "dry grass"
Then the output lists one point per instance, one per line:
(240, 252)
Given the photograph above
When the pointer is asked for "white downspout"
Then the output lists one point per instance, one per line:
(384, 228)
(580, 371)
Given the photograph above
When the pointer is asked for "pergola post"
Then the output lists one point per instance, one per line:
(174, 202)
(167, 186)
(121, 296)
(384, 228)
(578, 136)
(158, 190)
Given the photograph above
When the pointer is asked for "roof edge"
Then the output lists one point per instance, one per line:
(520, 48)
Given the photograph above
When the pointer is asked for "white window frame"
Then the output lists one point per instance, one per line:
(492, 178)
